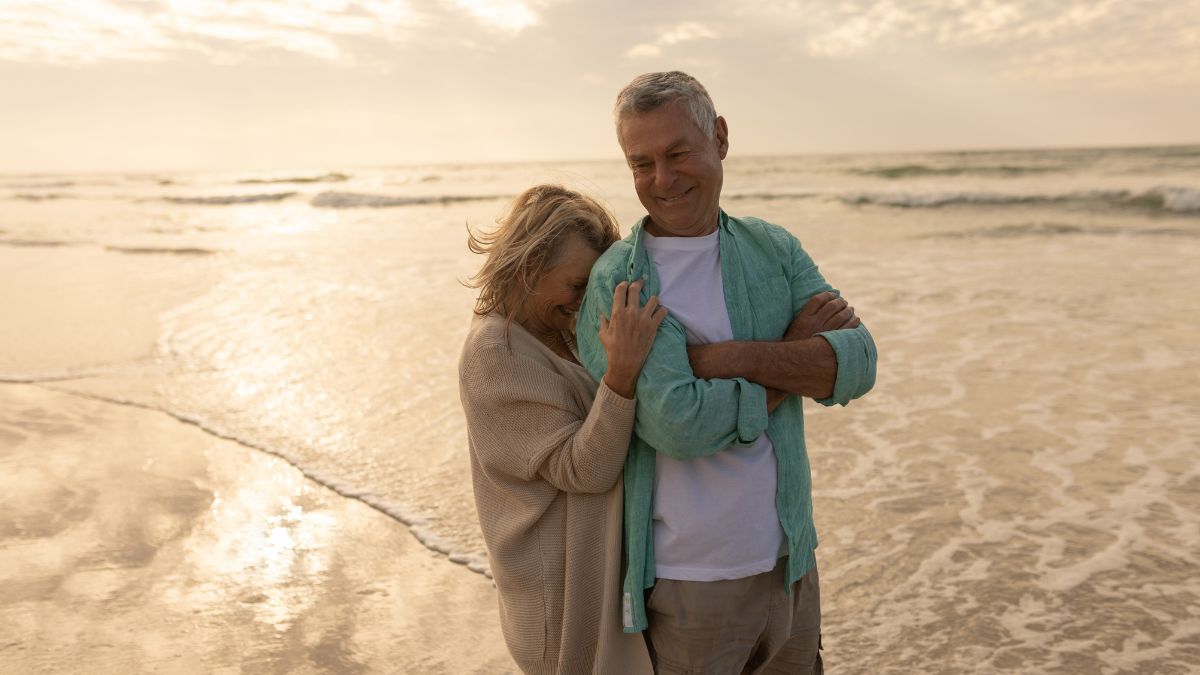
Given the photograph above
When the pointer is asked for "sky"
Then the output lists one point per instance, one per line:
(156, 85)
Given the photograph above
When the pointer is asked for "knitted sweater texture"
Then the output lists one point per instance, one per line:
(547, 448)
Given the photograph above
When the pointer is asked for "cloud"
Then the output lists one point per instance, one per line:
(512, 16)
(1096, 43)
(85, 32)
(684, 32)
(643, 51)
(1107, 41)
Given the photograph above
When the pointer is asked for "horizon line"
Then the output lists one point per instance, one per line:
(597, 160)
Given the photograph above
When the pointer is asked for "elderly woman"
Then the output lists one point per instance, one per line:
(547, 442)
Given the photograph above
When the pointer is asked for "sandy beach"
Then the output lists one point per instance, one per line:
(131, 542)
(234, 292)
(230, 436)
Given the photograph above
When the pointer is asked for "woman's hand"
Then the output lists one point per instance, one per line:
(628, 335)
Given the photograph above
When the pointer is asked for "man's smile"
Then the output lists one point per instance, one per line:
(681, 195)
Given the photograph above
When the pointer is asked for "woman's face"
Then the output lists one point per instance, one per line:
(556, 296)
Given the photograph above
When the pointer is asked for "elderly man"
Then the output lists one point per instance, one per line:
(718, 493)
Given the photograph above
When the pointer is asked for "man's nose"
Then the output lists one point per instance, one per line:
(664, 175)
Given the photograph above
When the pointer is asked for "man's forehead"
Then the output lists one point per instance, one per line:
(639, 147)
(656, 129)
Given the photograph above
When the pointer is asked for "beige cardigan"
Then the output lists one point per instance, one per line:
(546, 463)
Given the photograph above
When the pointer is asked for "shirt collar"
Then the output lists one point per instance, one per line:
(639, 245)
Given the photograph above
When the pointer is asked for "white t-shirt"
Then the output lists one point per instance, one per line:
(715, 516)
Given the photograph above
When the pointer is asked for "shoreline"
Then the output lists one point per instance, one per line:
(417, 527)
(134, 542)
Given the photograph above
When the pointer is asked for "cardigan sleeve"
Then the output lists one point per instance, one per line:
(524, 421)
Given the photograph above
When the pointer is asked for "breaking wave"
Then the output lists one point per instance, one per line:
(153, 250)
(41, 196)
(36, 243)
(38, 185)
(1060, 229)
(771, 196)
(325, 178)
(1168, 199)
(221, 200)
(350, 200)
(922, 170)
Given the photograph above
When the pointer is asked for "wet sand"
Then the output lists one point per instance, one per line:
(132, 542)
(1018, 494)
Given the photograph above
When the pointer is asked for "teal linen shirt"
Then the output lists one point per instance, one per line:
(767, 279)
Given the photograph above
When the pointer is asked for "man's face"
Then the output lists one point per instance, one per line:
(676, 169)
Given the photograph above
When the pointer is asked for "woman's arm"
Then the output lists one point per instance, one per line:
(524, 422)
(523, 417)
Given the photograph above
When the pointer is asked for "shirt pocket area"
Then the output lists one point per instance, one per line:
(771, 302)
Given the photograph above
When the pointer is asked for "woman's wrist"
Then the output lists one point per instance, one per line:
(622, 382)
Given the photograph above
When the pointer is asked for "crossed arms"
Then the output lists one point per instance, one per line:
(694, 404)
(802, 363)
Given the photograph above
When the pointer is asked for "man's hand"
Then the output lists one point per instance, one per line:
(769, 362)
(823, 312)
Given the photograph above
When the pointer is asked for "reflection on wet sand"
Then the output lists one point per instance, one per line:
(132, 543)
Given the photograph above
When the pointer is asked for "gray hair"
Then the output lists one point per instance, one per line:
(651, 91)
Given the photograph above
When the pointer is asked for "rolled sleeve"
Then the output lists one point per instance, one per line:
(856, 357)
(752, 411)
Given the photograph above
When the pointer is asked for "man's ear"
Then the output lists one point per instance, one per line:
(721, 134)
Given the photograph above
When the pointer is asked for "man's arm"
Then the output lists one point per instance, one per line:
(827, 361)
(854, 349)
(678, 414)
(806, 368)
(801, 363)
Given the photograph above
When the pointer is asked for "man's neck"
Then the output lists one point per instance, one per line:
(652, 228)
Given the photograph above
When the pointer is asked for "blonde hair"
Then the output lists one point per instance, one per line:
(528, 239)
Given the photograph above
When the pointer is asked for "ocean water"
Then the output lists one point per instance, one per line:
(1020, 493)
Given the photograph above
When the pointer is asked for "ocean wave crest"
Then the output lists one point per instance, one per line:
(1181, 199)
(36, 243)
(156, 250)
(220, 200)
(1061, 229)
(772, 196)
(37, 185)
(1166, 199)
(350, 200)
(324, 178)
(901, 171)
(41, 196)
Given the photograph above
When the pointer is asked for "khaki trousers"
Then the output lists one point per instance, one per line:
(736, 626)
